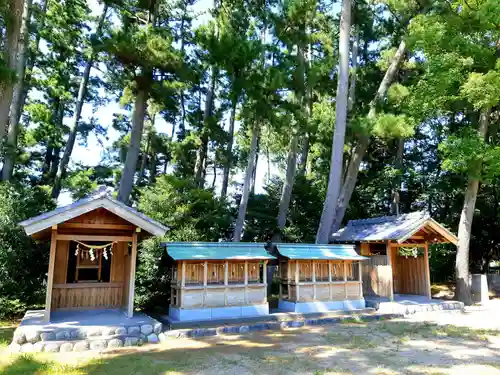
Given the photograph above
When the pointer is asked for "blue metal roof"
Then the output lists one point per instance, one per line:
(216, 251)
(313, 251)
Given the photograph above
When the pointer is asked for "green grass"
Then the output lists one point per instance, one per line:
(430, 330)
(7, 329)
(350, 341)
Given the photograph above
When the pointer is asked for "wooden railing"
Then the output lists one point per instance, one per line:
(87, 295)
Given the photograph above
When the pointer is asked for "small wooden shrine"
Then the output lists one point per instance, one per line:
(217, 280)
(93, 251)
(317, 278)
(397, 248)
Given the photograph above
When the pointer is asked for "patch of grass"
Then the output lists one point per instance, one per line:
(354, 342)
(7, 329)
(353, 320)
(429, 330)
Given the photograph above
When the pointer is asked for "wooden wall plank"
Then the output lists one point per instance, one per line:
(61, 262)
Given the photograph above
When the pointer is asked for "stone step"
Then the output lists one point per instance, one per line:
(91, 343)
(34, 334)
(275, 325)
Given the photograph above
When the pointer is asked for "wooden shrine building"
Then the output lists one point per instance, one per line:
(318, 278)
(397, 248)
(93, 251)
(217, 280)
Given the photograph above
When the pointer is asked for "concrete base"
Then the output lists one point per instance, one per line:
(410, 304)
(192, 315)
(320, 306)
(479, 289)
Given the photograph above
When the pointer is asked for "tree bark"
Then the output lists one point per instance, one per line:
(335, 176)
(127, 178)
(364, 140)
(14, 116)
(15, 10)
(242, 211)
(398, 165)
(201, 153)
(31, 61)
(80, 101)
(254, 171)
(286, 192)
(229, 150)
(462, 292)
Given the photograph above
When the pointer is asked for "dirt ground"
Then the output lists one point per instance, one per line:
(436, 343)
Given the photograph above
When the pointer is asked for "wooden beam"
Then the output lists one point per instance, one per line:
(50, 276)
(297, 295)
(427, 271)
(226, 279)
(90, 237)
(389, 248)
(314, 279)
(97, 226)
(344, 263)
(131, 287)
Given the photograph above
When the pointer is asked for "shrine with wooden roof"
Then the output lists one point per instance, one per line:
(397, 248)
(93, 252)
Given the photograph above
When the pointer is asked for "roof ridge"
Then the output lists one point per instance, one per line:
(390, 218)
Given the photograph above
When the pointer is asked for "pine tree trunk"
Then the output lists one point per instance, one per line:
(14, 116)
(254, 171)
(201, 153)
(364, 140)
(286, 192)
(242, 211)
(127, 179)
(354, 73)
(73, 130)
(462, 292)
(398, 165)
(335, 176)
(229, 150)
(31, 62)
(152, 168)
(13, 31)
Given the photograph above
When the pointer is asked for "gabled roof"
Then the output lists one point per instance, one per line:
(393, 228)
(216, 251)
(313, 251)
(99, 200)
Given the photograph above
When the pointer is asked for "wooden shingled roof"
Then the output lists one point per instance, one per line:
(408, 228)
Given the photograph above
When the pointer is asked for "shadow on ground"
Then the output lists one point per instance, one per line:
(388, 347)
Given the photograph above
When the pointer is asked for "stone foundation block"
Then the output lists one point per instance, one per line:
(98, 345)
(81, 346)
(115, 343)
(51, 347)
(133, 329)
(66, 347)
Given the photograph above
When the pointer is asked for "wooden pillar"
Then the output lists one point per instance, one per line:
(360, 277)
(226, 278)
(330, 286)
(264, 279)
(345, 279)
(205, 281)
(427, 270)
(50, 276)
(388, 250)
(246, 281)
(314, 279)
(297, 278)
(131, 286)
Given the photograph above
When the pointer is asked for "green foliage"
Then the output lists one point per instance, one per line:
(23, 263)
(482, 90)
(389, 126)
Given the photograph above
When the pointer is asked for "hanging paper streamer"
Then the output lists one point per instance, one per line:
(93, 252)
